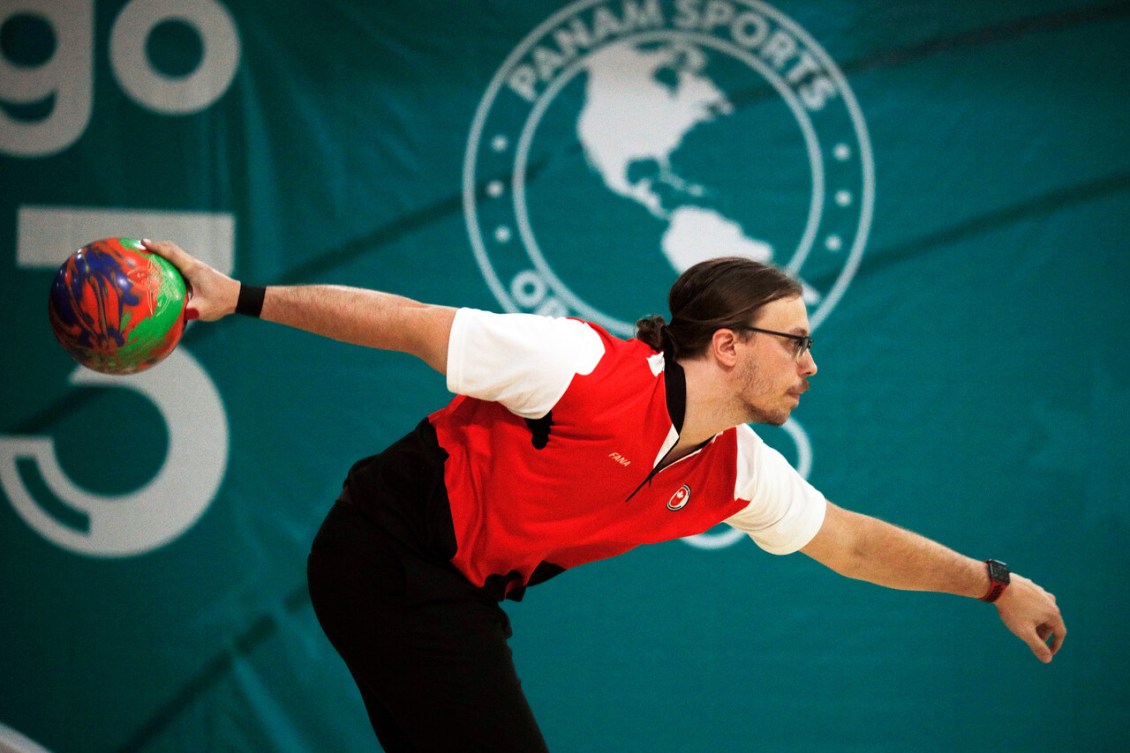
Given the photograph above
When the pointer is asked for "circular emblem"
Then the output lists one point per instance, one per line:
(620, 143)
(680, 498)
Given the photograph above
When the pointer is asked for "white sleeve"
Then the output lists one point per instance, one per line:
(523, 361)
(785, 511)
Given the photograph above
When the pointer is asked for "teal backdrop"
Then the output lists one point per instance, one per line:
(950, 180)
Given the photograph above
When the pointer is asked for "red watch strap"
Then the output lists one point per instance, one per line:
(995, 590)
(996, 587)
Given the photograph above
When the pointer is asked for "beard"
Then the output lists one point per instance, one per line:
(756, 415)
(760, 403)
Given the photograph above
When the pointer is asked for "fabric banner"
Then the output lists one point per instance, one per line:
(950, 182)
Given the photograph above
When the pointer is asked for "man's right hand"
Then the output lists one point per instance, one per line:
(213, 294)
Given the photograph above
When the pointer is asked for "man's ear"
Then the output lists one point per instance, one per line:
(723, 347)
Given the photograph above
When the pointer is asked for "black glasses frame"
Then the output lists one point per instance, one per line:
(803, 342)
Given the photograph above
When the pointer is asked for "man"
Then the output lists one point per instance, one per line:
(566, 445)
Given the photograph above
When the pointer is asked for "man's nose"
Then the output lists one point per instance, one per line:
(807, 364)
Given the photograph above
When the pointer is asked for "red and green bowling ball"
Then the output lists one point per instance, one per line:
(116, 307)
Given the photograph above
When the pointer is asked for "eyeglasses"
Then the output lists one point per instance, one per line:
(801, 343)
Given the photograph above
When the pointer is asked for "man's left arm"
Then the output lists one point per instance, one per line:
(865, 548)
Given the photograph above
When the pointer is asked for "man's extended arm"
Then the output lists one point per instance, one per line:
(354, 315)
(866, 548)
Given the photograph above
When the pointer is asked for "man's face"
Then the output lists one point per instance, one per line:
(770, 377)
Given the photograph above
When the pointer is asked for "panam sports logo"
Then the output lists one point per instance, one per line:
(620, 143)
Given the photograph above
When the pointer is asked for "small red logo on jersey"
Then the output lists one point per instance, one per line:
(680, 498)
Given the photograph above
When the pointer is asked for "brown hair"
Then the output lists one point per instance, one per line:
(711, 295)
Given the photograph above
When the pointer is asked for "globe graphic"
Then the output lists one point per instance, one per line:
(660, 154)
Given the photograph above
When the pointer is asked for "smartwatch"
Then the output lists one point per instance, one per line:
(998, 580)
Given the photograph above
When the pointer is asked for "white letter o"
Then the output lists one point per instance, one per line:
(175, 95)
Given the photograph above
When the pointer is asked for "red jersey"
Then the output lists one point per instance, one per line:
(553, 443)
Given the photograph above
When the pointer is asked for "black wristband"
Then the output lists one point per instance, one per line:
(250, 301)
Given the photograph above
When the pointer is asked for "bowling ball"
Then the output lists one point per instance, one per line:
(117, 308)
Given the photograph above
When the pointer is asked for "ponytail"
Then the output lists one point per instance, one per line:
(654, 332)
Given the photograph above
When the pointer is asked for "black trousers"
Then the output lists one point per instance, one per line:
(426, 648)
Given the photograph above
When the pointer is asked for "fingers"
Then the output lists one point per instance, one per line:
(1056, 644)
(1057, 633)
(1047, 641)
(1051, 632)
(1040, 649)
(180, 259)
(170, 252)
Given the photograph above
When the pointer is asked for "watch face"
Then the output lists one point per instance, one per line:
(998, 571)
